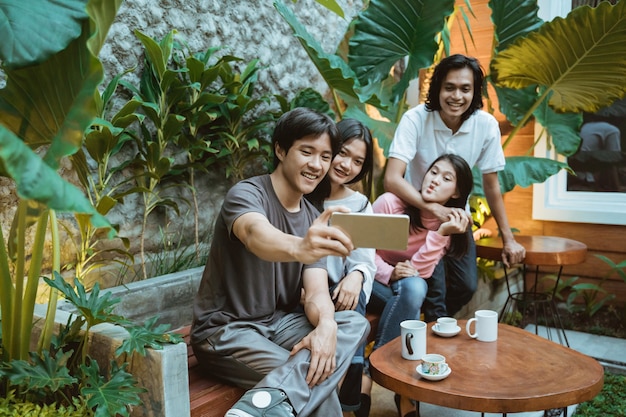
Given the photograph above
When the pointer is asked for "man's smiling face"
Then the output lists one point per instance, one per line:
(307, 162)
(455, 97)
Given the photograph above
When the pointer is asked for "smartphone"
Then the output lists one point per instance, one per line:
(372, 230)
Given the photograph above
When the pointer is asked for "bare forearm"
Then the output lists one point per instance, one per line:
(496, 204)
(270, 244)
(319, 308)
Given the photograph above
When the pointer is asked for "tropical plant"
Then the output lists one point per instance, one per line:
(193, 110)
(587, 297)
(577, 64)
(105, 141)
(52, 74)
(240, 130)
(160, 88)
(61, 376)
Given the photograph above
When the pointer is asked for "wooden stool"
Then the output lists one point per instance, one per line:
(540, 251)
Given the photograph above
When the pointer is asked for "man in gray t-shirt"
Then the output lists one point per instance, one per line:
(269, 243)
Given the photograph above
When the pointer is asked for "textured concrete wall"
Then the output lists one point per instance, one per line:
(248, 29)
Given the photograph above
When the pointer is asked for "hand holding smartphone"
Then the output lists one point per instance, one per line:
(371, 230)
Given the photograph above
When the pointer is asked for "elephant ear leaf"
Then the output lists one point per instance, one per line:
(563, 128)
(526, 170)
(34, 36)
(569, 57)
(390, 30)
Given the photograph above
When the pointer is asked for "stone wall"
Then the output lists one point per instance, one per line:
(244, 28)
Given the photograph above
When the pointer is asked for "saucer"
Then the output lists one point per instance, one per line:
(433, 377)
(446, 334)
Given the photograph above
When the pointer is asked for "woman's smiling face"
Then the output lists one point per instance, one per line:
(348, 163)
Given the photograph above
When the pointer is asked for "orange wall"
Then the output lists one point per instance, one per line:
(606, 240)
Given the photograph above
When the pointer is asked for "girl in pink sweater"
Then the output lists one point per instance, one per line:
(400, 282)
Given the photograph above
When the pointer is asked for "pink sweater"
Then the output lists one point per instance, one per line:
(426, 247)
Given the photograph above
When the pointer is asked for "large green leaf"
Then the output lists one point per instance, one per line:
(95, 308)
(522, 171)
(42, 371)
(514, 104)
(335, 71)
(527, 170)
(512, 19)
(110, 397)
(563, 128)
(148, 335)
(29, 33)
(390, 30)
(37, 181)
(52, 103)
(581, 59)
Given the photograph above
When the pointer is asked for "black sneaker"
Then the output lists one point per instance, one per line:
(262, 402)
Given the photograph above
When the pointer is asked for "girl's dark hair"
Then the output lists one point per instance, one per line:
(349, 129)
(455, 62)
(464, 184)
(302, 122)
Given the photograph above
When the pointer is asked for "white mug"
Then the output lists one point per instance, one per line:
(413, 334)
(486, 326)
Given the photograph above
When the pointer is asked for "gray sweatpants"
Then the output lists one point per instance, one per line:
(250, 354)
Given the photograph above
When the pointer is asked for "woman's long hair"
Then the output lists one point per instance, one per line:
(464, 184)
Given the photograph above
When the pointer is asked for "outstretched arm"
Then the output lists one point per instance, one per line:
(268, 243)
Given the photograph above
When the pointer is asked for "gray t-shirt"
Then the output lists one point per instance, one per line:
(237, 285)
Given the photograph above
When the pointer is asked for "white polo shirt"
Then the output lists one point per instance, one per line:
(421, 137)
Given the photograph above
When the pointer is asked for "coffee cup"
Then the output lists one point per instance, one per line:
(413, 334)
(445, 324)
(486, 326)
(434, 364)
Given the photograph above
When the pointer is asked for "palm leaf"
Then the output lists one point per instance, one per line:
(580, 59)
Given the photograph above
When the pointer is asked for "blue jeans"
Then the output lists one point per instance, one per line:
(452, 284)
(360, 308)
(400, 300)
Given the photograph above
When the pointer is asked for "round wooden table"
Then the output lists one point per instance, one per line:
(540, 251)
(519, 372)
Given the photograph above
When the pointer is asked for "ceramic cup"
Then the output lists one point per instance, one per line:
(413, 334)
(445, 324)
(486, 326)
(434, 364)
